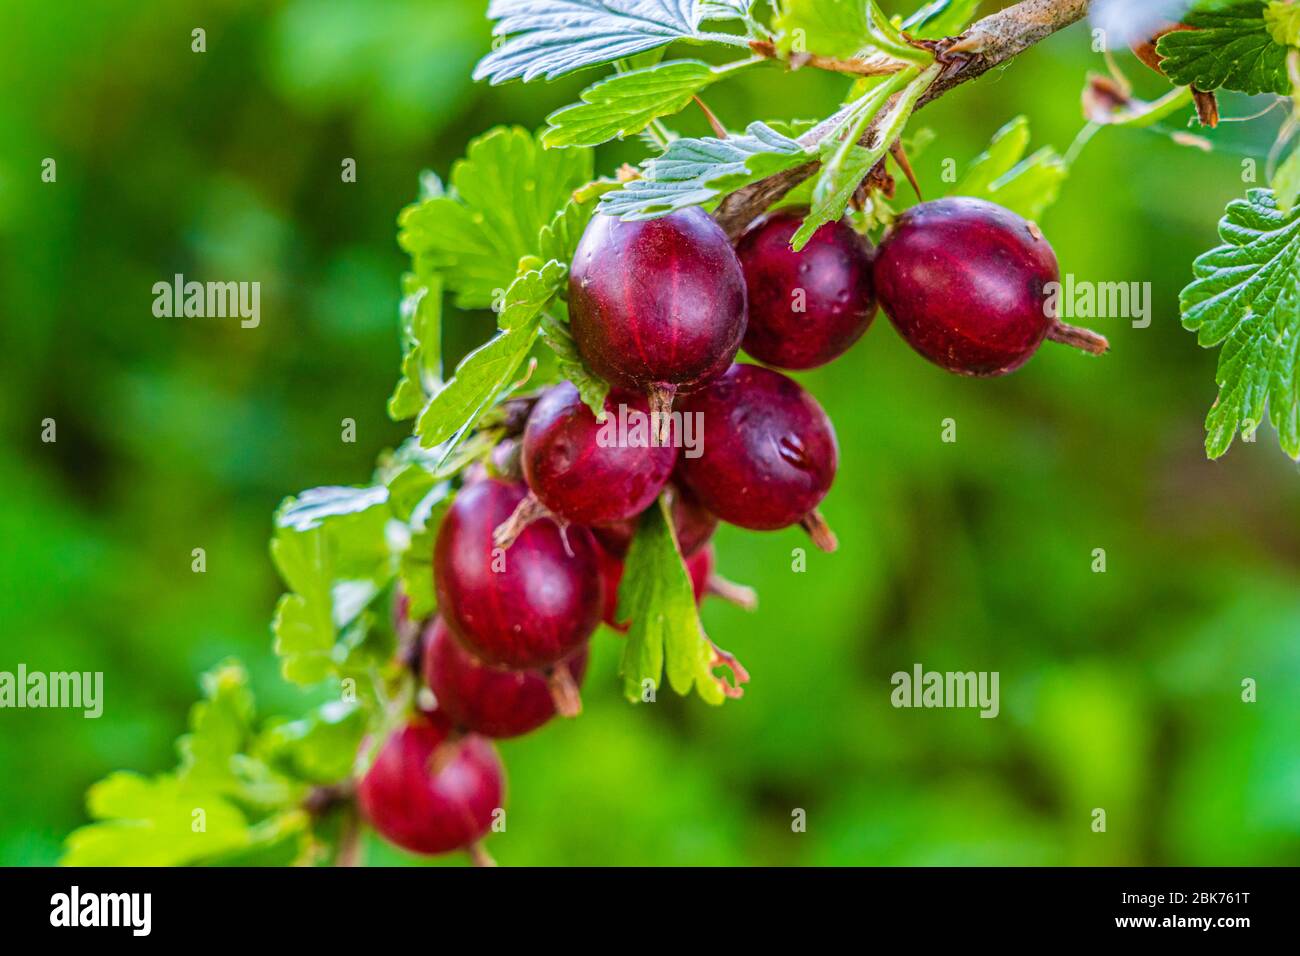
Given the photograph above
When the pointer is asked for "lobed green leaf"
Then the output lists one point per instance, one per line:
(1231, 46)
(503, 192)
(941, 18)
(549, 38)
(332, 551)
(592, 389)
(487, 372)
(665, 631)
(1002, 174)
(698, 172)
(421, 313)
(626, 103)
(220, 800)
(1246, 298)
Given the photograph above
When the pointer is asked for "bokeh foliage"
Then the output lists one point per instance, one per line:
(1119, 690)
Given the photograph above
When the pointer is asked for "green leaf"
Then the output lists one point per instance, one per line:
(942, 18)
(220, 724)
(316, 506)
(592, 389)
(627, 103)
(425, 483)
(331, 550)
(559, 242)
(320, 747)
(212, 754)
(888, 39)
(421, 311)
(412, 474)
(845, 163)
(503, 192)
(724, 9)
(842, 28)
(1001, 174)
(1283, 20)
(198, 813)
(1231, 46)
(548, 38)
(827, 27)
(559, 239)
(152, 823)
(415, 572)
(665, 631)
(485, 373)
(697, 172)
(1286, 181)
(1246, 297)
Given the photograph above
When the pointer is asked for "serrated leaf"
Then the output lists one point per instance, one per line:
(1246, 298)
(942, 18)
(549, 38)
(559, 239)
(1231, 47)
(826, 27)
(845, 163)
(421, 312)
(422, 476)
(1283, 20)
(591, 388)
(724, 9)
(314, 507)
(1001, 174)
(503, 192)
(842, 28)
(627, 103)
(332, 551)
(1286, 181)
(485, 373)
(888, 39)
(665, 631)
(320, 747)
(212, 753)
(150, 822)
(698, 172)
(415, 572)
(219, 725)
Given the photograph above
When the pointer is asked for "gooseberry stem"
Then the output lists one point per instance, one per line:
(1080, 338)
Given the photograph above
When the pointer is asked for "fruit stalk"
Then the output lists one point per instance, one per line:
(1084, 339)
(564, 691)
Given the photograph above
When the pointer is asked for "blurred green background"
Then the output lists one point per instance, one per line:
(1120, 690)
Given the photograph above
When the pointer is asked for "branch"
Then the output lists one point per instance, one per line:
(988, 43)
(871, 66)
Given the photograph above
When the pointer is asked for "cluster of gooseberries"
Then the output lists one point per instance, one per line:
(529, 556)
